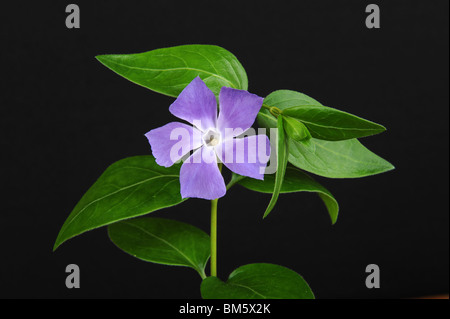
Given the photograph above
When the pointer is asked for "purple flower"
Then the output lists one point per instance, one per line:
(212, 138)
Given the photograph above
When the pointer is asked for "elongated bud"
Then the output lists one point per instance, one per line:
(295, 129)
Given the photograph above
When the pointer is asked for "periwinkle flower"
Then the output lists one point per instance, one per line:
(212, 138)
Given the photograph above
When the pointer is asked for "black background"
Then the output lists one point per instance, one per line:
(65, 118)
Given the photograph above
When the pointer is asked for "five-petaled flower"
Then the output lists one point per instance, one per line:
(212, 138)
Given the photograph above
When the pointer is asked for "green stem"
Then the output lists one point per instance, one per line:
(214, 237)
(214, 234)
(234, 179)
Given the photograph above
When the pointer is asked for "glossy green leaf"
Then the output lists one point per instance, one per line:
(309, 144)
(284, 99)
(334, 159)
(323, 122)
(330, 124)
(170, 70)
(294, 181)
(340, 159)
(282, 158)
(162, 241)
(128, 188)
(258, 281)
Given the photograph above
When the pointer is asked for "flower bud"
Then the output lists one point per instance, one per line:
(295, 129)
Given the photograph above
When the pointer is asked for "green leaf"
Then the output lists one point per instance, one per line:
(334, 159)
(284, 99)
(162, 241)
(131, 187)
(295, 181)
(170, 70)
(295, 129)
(323, 122)
(282, 156)
(341, 159)
(309, 144)
(330, 124)
(258, 281)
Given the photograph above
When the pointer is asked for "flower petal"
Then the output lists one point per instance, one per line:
(246, 156)
(200, 177)
(238, 110)
(196, 104)
(172, 141)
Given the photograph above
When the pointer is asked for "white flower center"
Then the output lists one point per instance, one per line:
(211, 138)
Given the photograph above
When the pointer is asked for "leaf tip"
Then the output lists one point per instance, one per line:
(381, 128)
(104, 59)
(388, 166)
(59, 240)
(391, 167)
(266, 213)
(100, 58)
(55, 246)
